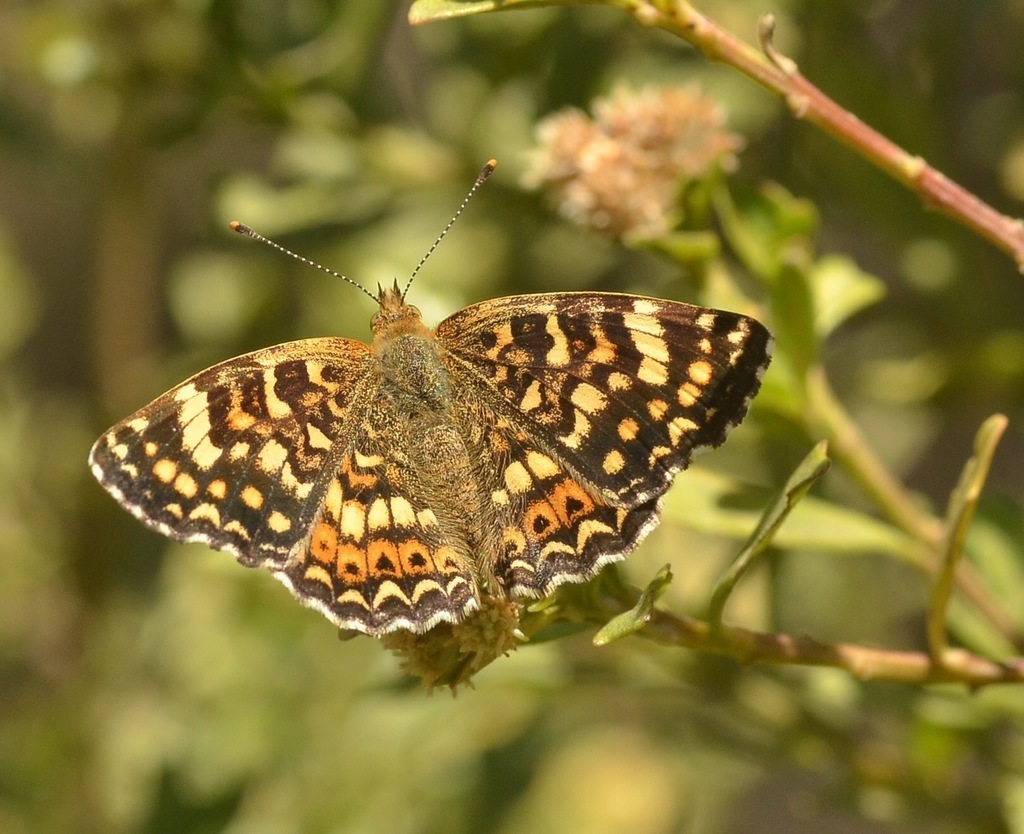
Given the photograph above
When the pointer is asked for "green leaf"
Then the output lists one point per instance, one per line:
(683, 247)
(841, 290)
(429, 11)
(962, 505)
(994, 546)
(630, 622)
(709, 503)
(767, 229)
(793, 320)
(814, 465)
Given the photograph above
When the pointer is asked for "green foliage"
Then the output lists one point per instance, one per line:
(146, 686)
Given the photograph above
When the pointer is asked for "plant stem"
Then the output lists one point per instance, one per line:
(865, 663)
(848, 446)
(852, 452)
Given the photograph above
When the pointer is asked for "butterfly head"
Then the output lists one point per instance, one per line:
(394, 314)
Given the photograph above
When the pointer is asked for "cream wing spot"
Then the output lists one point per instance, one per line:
(252, 497)
(613, 462)
(402, 512)
(652, 372)
(296, 485)
(531, 399)
(353, 521)
(513, 540)
(353, 596)
(317, 439)
(603, 352)
(206, 454)
(184, 393)
(517, 479)
(646, 307)
(737, 337)
(423, 587)
(206, 512)
(589, 399)
(367, 461)
(619, 382)
(240, 420)
(165, 470)
(657, 453)
(652, 346)
(276, 407)
(194, 417)
(390, 590)
(688, 394)
(628, 429)
(580, 431)
(558, 355)
(657, 409)
(700, 372)
(549, 550)
(186, 485)
(426, 518)
(278, 522)
(272, 457)
(236, 529)
(333, 499)
(315, 573)
(588, 529)
(679, 428)
(541, 465)
(378, 517)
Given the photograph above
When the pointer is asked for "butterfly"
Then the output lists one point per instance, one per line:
(525, 442)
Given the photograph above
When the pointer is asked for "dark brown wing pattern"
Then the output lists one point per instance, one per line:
(234, 457)
(623, 389)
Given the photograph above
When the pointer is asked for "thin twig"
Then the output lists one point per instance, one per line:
(781, 76)
(863, 662)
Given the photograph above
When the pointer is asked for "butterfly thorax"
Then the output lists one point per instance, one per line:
(430, 448)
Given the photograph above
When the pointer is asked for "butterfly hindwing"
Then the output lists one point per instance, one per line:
(551, 528)
(377, 557)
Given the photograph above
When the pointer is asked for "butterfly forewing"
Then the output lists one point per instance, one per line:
(623, 388)
(235, 456)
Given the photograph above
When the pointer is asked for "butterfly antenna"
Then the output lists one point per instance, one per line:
(485, 172)
(242, 229)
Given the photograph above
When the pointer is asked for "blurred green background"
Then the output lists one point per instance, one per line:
(147, 686)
